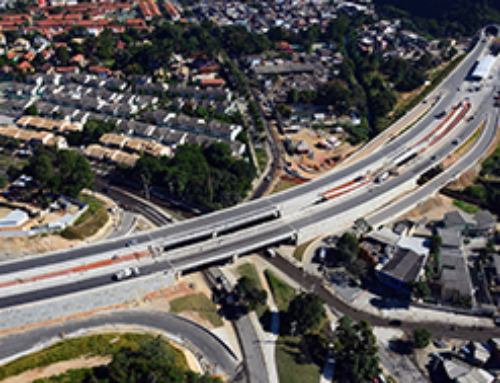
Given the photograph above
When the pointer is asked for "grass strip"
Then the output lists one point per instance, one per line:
(248, 270)
(292, 364)
(282, 292)
(298, 254)
(102, 344)
(199, 303)
(466, 206)
(90, 221)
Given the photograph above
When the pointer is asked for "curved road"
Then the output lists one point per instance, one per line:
(251, 239)
(201, 227)
(213, 349)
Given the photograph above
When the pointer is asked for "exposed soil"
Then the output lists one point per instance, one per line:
(58, 368)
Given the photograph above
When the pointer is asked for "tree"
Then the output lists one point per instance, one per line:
(249, 294)
(60, 172)
(421, 337)
(355, 352)
(31, 110)
(154, 361)
(420, 289)
(347, 248)
(307, 311)
(62, 55)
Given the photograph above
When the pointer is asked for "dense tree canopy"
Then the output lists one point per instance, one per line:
(92, 131)
(209, 177)
(249, 294)
(154, 361)
(60, 172)
(307, 311)
(442, 18)
(355, 352)
(421, 337)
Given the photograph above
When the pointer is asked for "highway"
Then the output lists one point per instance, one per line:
(267, 208)
(213, 349)
(277, 228)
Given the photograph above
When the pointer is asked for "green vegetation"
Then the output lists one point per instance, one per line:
(199, 303)
(249, 271)
(465, 206)
(104, 344)
(59, 171)
(347, 254)
(251, 296)
(7, 160)
(444, 18)
(282, 292)
(92, 131)
(485, 191)
(292, 363)
(210, 177)
(90, 221)
(421, 337)
(153, 361)
(261, 158)
(411, 102)
(355, 352)
(299, 251)
(306, 312)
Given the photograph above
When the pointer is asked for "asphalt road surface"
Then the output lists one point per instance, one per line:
(439, 330)
(252, 352)
(217, 353)
(199, 227)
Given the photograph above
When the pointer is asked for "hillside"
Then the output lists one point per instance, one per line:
(442, 18)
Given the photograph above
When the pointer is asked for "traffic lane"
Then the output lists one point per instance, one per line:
(171, 234)
(162, 263)
(457, 78)
(233, 245)
(252, 352)
(210, 346)
(246, 209)
(443, 330)
(440, 180)
(386, 186)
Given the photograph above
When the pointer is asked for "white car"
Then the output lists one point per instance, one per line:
(126, 273)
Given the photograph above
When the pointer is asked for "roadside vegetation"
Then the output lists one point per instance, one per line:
(283, 184)
(444, 18)
(466, 206)
(199, 303)
(153, 360)
(250, 291)
(485, 191)
(299, 251)
(210, 177)
(95, 345)
(282, 292)
(89, 223)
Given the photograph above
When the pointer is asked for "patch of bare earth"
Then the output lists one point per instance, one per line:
(58, 368)
(433, 208)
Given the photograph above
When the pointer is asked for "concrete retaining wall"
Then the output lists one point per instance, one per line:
(84, 301)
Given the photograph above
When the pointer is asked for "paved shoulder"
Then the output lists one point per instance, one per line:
(213, 349)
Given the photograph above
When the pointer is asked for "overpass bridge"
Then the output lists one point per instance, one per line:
(290, 215)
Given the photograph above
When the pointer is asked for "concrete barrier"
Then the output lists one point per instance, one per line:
(85, 301)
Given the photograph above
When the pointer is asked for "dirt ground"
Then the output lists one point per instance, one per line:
(12, 247)
(58, 368)
(433, 208)
(321, 159)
